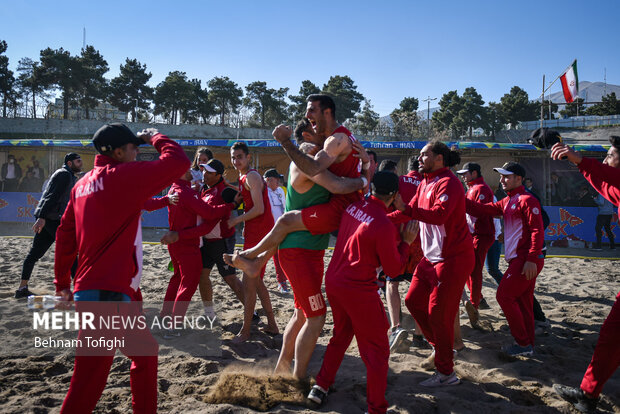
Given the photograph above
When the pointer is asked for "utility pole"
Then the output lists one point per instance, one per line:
(428, 113)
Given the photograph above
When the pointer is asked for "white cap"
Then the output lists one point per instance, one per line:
(208, 167)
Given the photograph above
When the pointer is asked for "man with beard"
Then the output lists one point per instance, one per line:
(438, 280)
(339, 155)
(301, 255)
(52, 205)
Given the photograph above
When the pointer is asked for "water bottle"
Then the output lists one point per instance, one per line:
(43, 301)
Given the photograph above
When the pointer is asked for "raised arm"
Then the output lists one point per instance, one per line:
(311, 166)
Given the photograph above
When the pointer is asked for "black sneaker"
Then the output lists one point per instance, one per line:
(317, 395)
(22, 293)
(576, 397)
(483, 304)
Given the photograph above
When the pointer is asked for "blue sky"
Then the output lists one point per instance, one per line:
(391, 49)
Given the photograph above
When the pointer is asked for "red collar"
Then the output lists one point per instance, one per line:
(478, 180)
(431, 175)
(375, 200)
(519, 190)
(103, 160)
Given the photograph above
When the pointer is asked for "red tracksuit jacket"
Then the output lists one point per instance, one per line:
(439, 205)
(191, 211)
(366, 240)
(213, 196)
(102, 221)
(524, 232)
(479, 191)
(605, 179)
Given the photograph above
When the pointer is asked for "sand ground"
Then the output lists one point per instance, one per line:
(576, 295)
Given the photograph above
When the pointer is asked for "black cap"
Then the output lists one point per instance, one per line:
(111, 136)
(544, 138)
(228, 194)
(272, 173)
(71, 156)
(511, 168)
(469, 167)
(384, 182)
(214, 165)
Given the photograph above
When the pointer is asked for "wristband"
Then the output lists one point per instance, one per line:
(364, 181)
(366, 165)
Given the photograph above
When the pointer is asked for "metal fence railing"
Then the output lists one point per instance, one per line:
(573, 122)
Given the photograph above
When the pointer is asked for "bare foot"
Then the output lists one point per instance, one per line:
(248, 266)
(271, 330)
(241, 337)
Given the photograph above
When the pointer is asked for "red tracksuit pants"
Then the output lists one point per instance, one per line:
(515, 296)
(187, 263)
(433, 300)
(92, 365)
(606, 358)
(358, 312)
(474, 282)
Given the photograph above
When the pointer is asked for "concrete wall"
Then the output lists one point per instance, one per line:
(16, 128)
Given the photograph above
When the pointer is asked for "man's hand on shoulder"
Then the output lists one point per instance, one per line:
(146, 134)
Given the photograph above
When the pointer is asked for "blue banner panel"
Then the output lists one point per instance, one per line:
(19, 208)
(265, 143)
(157, 218)
(575, 223)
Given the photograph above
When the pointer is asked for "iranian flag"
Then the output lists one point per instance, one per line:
(570, 83)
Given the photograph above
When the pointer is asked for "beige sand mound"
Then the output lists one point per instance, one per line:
(259, 391)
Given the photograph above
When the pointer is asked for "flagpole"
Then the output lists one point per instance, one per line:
(545, 90)
(542, 103)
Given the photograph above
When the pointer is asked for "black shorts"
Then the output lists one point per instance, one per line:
(212, 252)
(400, 278)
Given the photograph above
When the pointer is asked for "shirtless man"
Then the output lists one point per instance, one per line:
(339, 155)
(301, 258)
(257, 221)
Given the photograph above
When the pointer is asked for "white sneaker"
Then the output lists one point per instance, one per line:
(440, 380)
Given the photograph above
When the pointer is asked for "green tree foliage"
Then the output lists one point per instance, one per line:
(60, 70)
(516, 107)
(7, 80)
(344, 92)
(200, 108)
(129, 90)
(473, 113)
(297, 110)
(225, 96)
(92, 88)
(448, 118)
(574, 108)
(609, 105)
(173, 97)
(494, 119)
(405, 118)
(267, 104)
(29, 81)
(366, 120)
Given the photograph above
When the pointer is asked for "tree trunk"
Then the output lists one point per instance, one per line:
(87, 113)
(65, 106)
(133, 115)
(34, 105)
